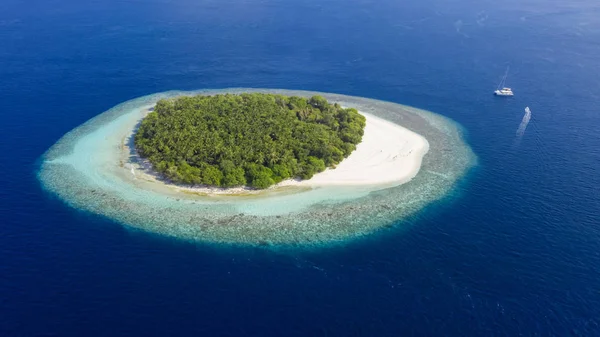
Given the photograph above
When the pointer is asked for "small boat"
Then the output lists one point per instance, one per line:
(504, 92)
(502, 89)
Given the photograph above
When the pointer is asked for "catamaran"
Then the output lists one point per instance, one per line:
(502, 89)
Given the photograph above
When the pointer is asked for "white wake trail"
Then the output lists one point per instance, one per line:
(523, 125)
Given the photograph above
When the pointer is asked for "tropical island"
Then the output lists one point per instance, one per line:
(248, 139)
(400, 160)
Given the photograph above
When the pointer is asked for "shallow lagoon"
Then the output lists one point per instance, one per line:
(89, 169)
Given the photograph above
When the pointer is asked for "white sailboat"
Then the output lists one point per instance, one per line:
(502, 89)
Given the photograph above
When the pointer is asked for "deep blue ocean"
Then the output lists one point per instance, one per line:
(513, 251)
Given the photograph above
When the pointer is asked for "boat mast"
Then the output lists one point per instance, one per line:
(503, 82)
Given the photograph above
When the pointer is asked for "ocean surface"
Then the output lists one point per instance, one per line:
(513, 251)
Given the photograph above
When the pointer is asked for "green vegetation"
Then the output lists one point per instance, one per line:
(250, 139)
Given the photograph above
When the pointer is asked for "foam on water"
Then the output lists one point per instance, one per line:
(90, 170)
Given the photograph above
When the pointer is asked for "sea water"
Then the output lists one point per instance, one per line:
(511, 250)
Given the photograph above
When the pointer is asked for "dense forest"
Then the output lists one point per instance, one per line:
(253, 139)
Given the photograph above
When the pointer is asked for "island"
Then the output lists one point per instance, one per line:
(252, 139)
(260, 167)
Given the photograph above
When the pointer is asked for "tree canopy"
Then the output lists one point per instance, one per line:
(251, 139)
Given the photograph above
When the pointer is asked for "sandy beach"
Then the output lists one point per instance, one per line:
(389, 155)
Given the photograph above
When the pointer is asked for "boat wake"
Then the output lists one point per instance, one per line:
(523, 126)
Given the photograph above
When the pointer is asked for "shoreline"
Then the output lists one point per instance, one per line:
(388, 155)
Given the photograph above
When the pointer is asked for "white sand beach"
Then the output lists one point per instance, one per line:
(389, 155)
